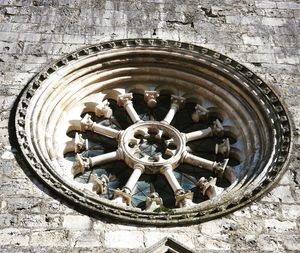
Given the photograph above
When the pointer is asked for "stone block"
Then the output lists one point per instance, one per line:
(49, 238)
(208, 244)
(8, 220)
(245, 212)
(252, 40)
(123, 239)
(218, 227)
(287, 59)
(265, 4)
(77, 222)
(19, 204)
(293, 5)
(268, 243)
(8, 36)
(251, 20)
(266, 210)
(276, 226)
(233, 19)
(15, 186)
(291, 242)
(87, 239)
(274, 21)
(39, 221)
(30, 37)
(14, 236)
(253, 57)
(291, 212)
(280, 194)
(55, 207)
(73, 39)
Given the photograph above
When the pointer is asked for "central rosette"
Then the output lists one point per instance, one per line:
(152, 144)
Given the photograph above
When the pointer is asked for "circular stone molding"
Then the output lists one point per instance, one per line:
(153, 132)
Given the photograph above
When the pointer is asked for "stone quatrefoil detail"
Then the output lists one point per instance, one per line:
(152, 147)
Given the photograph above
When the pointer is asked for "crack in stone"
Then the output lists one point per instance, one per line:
(191, 23)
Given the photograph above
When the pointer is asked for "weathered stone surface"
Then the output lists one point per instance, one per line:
(263, 35)
(41, 237)
(77, 222)
(123, 239)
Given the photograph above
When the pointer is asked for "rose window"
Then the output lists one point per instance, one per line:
(153, 132)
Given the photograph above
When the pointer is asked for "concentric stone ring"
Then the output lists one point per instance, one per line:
(153, 132)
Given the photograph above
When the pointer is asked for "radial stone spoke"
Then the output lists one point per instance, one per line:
(213, 166)
(88, 124)
(215, 130)
(126, 102)
(138, 169)
(183, 198)
(83, 164)
(196, 135)
(167, 171)
(123, 197)
(176, 103)
(105, 158)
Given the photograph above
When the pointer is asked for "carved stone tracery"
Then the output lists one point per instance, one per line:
(156, 147)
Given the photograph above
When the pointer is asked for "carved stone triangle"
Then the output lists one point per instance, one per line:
(168, 245)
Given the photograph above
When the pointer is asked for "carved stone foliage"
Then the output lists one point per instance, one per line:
(153, 132)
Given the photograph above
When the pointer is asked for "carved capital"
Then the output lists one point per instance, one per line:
(151, 98)
(200, 113)
(80, 165)
(80, 143)
(184, 199)
(99, 183)
(177, 101)
(153, 201)
(207, 187)
(86, 123)
(223, 148)
(219, 168)
(122, 197)
(103, 109)
(124, 100)
(217, 128)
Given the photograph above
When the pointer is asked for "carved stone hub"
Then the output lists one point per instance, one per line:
(152, 144)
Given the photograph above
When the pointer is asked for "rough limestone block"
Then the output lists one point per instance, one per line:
(252, 40)
(84, 239)
(77, 222)
(49, 238)
(276, 226)
(14, 236)
(265, 4)
(291, 211)
(123, 239)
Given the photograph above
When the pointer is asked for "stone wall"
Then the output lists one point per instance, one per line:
(262, 35)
